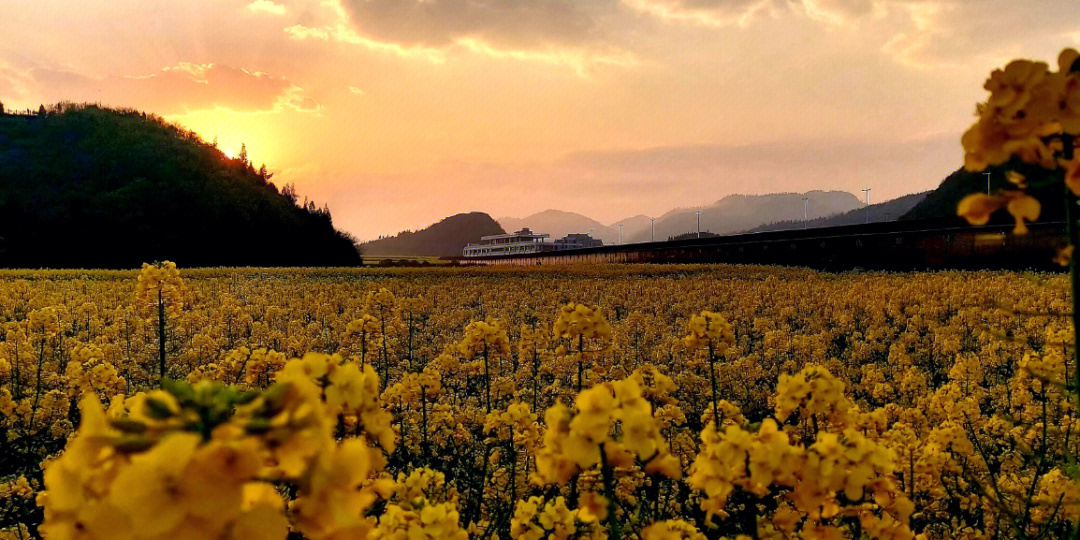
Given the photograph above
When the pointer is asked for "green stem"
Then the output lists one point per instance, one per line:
(614, 527)
(37, 389)
(513, 469)
(423, 412)
(161, 335)
(712, 379)
(385, 356)
(580, 361)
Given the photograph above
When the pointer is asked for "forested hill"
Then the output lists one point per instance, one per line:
(884, 211)
(83, 186)
(941, 203)
(444, 239)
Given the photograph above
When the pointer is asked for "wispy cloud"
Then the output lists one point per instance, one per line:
(709, 13)
(183, 87)
(267, 6)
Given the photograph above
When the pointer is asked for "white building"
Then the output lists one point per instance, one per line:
(523, 241)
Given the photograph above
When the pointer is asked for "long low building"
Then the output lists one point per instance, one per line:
(517, 243)
(526, 242)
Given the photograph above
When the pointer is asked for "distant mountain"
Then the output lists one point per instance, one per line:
(885, 211)
(558, 224)
(443, 239)
(633, 226)
(89, 187)
(737, 213)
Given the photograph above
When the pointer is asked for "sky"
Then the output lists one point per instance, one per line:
(397, 113)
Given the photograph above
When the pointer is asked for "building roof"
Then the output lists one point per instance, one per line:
(524, 233)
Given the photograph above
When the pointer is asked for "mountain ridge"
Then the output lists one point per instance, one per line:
(739, 212)
(890, 210)
(729, 214)
(559, 223)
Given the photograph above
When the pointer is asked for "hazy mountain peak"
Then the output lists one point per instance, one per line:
(443, 239)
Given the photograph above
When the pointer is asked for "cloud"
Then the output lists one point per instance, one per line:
(188, 86)
(177, 89)
(301, 32)
(838, 12)
(554, 32)
(266, 6)
(744, 12)
(501, 23)
(346, 34)
(917, 34)
(12, 82)
(705, 12)
(355, 90)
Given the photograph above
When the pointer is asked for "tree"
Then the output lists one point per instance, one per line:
(243, 154)
(41, 111)
(1, 108)
(289, 192)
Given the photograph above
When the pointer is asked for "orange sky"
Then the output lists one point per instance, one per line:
(400, 112)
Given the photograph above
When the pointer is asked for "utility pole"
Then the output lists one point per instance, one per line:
(652, 229)
(987, 173)
(804, 199)
(698, 223)
(867, 192)
(620, 234)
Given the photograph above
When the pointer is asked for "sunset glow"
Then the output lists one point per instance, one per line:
(397, 113)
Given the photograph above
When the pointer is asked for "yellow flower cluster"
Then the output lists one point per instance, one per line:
(43, 323)
(709, 330)
(421, 508)
(842, 473)
(537, 519)
(1033, 114)
(160, 283)
(520, 421)
(1027, 103)
(484, 337)
(348, 391)
(576, 442)
(672, 529)
(19, 487)
(812, 392)
(201, 461)
(578, 321)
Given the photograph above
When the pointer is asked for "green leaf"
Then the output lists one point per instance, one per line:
(158, 409)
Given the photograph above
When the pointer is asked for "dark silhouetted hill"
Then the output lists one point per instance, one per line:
(84, 186)
(940, 204)
(885, 211)
(444, 239)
